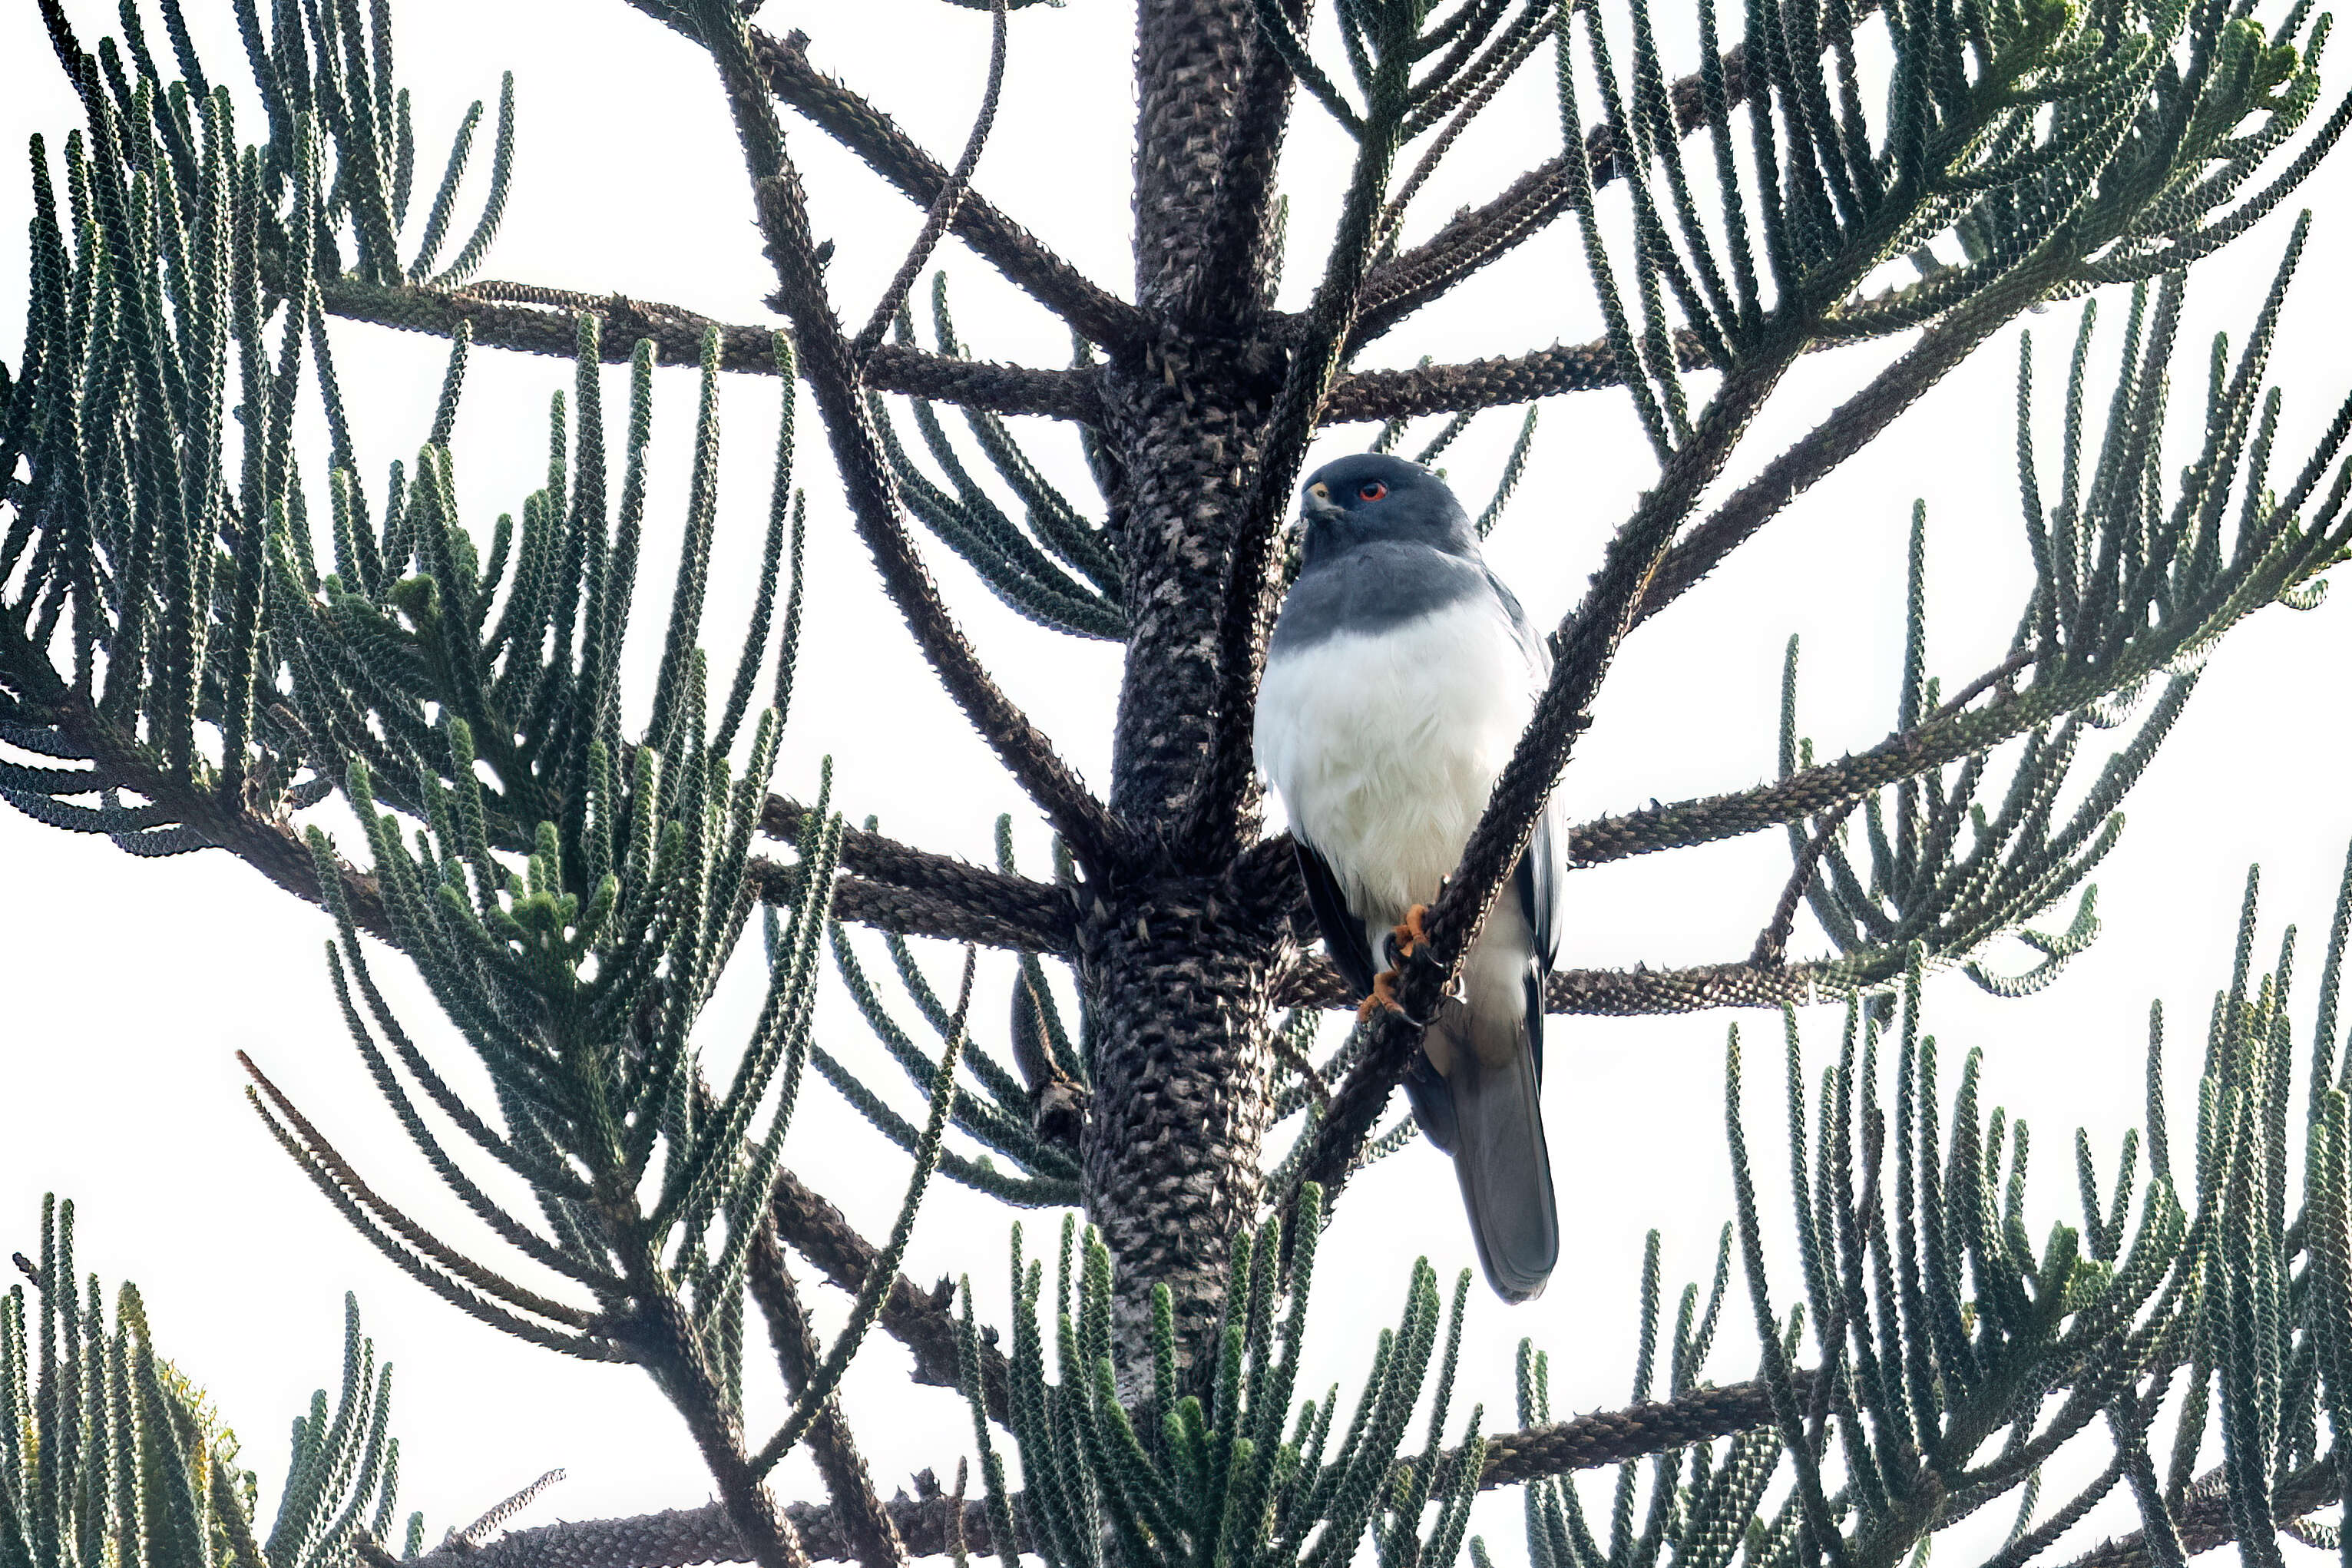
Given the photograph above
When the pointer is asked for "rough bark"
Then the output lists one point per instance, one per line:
(1181, 987)
(1176, 964)
(1190, 427)
(1192, 59)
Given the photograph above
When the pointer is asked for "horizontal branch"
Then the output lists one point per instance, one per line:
(273, 847)
(1814, 791)
(1035, 917)
(1609, 992)
(905, 913)
(917, 892)
(1488, 383)
(2207, 1520)
(540, 320)
(678, 1538)
(1586, 367)
(682, 1537)
(912, 891)
(1612, 1436)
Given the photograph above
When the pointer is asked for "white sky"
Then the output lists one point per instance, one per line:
(132, 982)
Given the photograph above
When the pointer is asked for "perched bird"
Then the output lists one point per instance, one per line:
(1400, 676)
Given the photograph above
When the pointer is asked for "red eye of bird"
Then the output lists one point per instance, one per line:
(1372, 492)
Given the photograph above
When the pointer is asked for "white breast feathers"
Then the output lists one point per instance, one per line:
(1385, 747)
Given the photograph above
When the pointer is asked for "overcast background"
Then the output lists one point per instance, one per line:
(130, 983)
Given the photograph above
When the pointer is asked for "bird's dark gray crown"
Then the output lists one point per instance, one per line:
(1368, 564)
(1371, 496)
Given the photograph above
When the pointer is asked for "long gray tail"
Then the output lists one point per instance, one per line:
(1499, 1156)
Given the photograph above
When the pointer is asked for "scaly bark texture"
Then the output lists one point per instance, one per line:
(1189, 426)
(1192, 59)
(1176, 959)
(1179, 983)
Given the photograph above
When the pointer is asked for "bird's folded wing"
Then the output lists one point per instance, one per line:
(1343, 933)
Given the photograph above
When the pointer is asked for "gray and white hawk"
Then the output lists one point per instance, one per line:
(1398, 678)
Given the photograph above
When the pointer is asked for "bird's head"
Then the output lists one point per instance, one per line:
(1372, 496)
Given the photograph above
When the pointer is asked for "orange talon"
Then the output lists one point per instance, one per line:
(1411, 933)
(1384, 994)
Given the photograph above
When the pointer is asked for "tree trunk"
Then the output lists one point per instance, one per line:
(1180, 984)
(1175, 959)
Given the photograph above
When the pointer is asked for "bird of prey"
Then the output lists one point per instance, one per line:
(1400, 676)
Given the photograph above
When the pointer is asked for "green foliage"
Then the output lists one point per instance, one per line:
(178, 259)
(185, 621)
(570, 897)
(2056, 146)
(576, 976)
(1235, 1473)
(1954, 1357)
(1029, 564)
(1952, 1361)
(2132, 590)
(109, 1455)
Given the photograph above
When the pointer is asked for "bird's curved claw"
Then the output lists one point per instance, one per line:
(1385, 998)
(1405, 938)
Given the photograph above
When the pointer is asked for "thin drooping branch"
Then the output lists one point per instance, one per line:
(1610, 992)
(1850, 427)
(1462, 102)
(922, 1320)
(1471, 239)
(876, 138)
(546, 321)
(1771, 949)
(869, 483)
(941, 211)
(1102, 317)
(872, 1539)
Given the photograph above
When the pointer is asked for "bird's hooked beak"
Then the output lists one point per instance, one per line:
(1316, 506)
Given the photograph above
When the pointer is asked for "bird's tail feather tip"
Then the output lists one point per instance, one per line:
(1517, 1265)
(1505, 1169)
